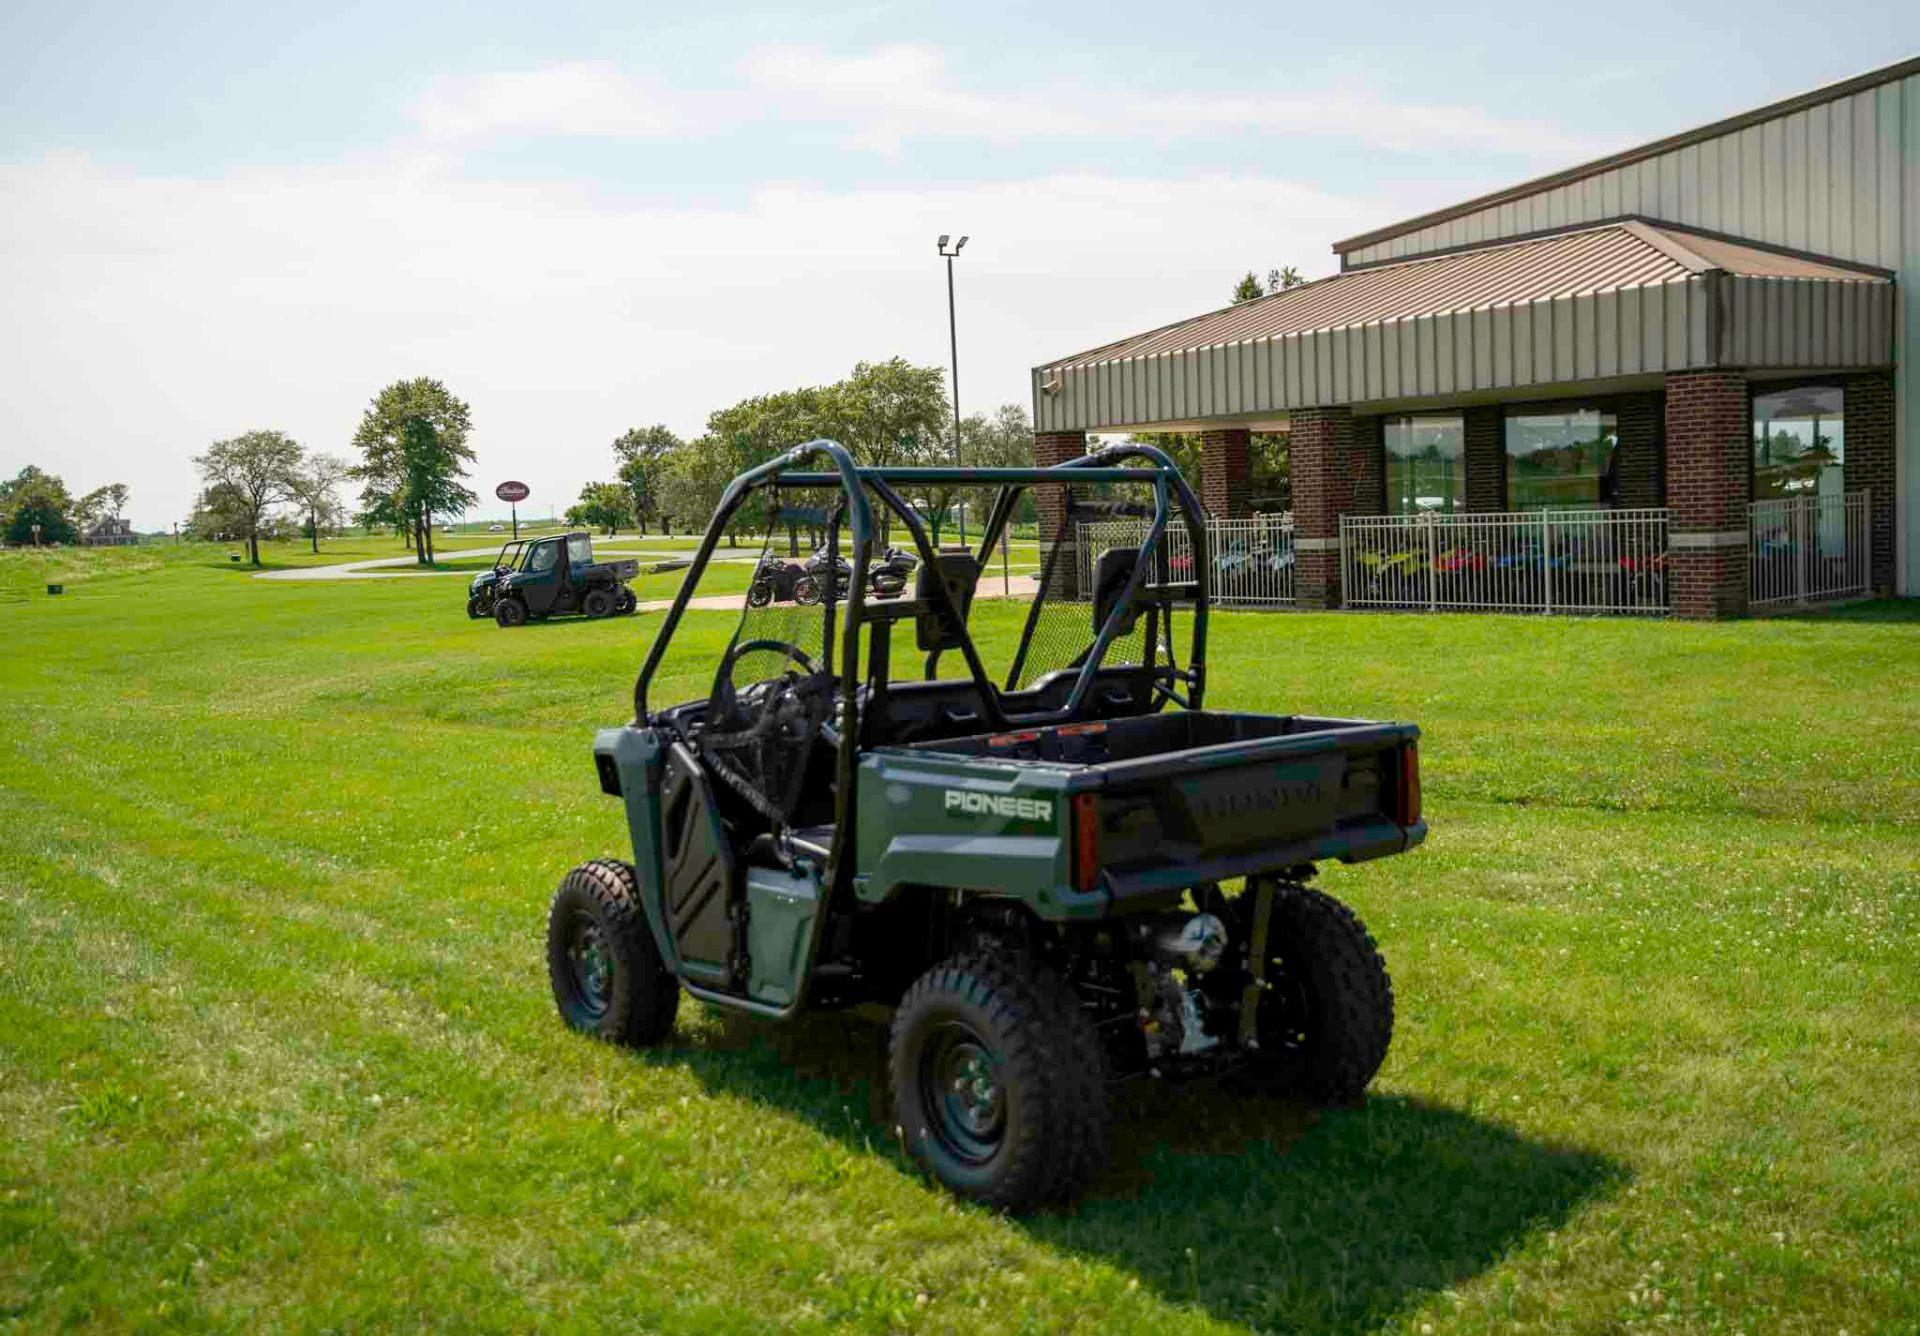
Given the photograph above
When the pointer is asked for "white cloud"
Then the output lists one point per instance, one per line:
(570, 99)
(148, 316)
(891, 95)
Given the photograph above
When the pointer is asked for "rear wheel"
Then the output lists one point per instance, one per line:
(999, 1082)
(1326, 1016)
(598, 603)
(510, 612)
(608, 978)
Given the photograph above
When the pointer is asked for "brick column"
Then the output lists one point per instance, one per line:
(1484, 452)
(1322, 444)
(1642, 483)
(1367, 468)
(1226, 472)
(1869, 464)
(1050, 500)
(1709, 480)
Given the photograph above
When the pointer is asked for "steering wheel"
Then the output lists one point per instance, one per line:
(726, 694)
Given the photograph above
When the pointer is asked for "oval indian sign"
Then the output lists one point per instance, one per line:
(512, 491)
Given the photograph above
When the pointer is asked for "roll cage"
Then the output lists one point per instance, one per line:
(941, 604)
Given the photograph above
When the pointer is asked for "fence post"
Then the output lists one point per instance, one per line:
(1546, 561)
(1433, 588)
(1802, 549)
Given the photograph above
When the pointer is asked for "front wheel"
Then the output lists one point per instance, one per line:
(608, 978)
(806, 591)
(477, 607)
(1325, 1017)
(510, 612)
(628, 603)
(999, 1082)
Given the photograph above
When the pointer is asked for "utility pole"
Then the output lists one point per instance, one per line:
(953, 339)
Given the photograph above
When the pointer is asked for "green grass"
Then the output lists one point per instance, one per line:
(276, 1047)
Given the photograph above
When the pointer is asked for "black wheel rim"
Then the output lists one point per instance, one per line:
(1286, 1010)
(961, 1091)
(589, 966)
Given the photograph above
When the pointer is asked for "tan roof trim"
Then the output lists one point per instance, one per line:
(1827, 93)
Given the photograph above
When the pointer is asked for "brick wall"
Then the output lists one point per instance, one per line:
(1642, 443)
(1050, 448)
(1226, 472)
(1321, 450)
(1870, 464)
(1485, 456)
(1709, 472)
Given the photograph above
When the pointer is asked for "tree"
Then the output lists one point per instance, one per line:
(36, 497)
(316, 489)
(1004, 440)
(1250, 288)
(102, 503)
(640, 451)
(889, 412)
(257, 470)
(414, 456)
(604, 505)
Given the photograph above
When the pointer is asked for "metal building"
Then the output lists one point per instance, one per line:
(1671, 379)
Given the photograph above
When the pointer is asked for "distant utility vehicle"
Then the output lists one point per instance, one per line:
(540, 577)
(1043, 858)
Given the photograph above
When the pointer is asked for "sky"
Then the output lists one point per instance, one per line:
(590, 216)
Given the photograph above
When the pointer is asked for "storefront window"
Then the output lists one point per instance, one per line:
(1799, 442)
(1424, 463)
(1564, 460)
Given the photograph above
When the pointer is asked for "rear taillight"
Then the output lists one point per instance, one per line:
(1408, 805)
(1086, 842)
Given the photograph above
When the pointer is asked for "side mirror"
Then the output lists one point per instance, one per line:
(1110, 576)
(959, 572)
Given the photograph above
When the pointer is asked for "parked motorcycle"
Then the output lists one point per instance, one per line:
(886, 577)
(773, 581)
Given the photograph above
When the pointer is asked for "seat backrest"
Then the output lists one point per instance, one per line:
(960, 573)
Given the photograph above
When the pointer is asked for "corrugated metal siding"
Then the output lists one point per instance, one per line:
(1825, 178)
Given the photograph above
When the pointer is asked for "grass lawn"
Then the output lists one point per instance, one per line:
(277, 1050)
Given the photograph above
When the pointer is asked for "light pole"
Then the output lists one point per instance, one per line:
(953, 338)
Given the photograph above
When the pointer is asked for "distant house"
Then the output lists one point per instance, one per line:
(112, 532)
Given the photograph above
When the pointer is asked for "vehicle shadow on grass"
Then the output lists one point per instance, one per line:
(1261, 1212)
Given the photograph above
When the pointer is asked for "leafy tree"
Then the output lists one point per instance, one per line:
(32, 497)
(1004, 440)
(689, 481)
(257, 470)
(1250, 288)
(640, 451)
(218, 513)
(889, 412)
(102, 503)
(316, 489)
(603, 505)
(413, 458)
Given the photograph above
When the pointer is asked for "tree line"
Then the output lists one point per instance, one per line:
(413, 462)
(36, 507)
(889, 412)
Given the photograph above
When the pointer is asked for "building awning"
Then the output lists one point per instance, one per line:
(1625, 299)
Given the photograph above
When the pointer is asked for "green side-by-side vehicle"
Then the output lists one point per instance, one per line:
(544, 577)
(1036, 850)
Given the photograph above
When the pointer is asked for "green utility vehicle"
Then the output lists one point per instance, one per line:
(1037, 853)
(541, 577)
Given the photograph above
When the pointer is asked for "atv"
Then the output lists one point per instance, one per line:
(1042, 860)
(542, 577)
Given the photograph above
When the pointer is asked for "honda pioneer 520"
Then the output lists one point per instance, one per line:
(1026, 840)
